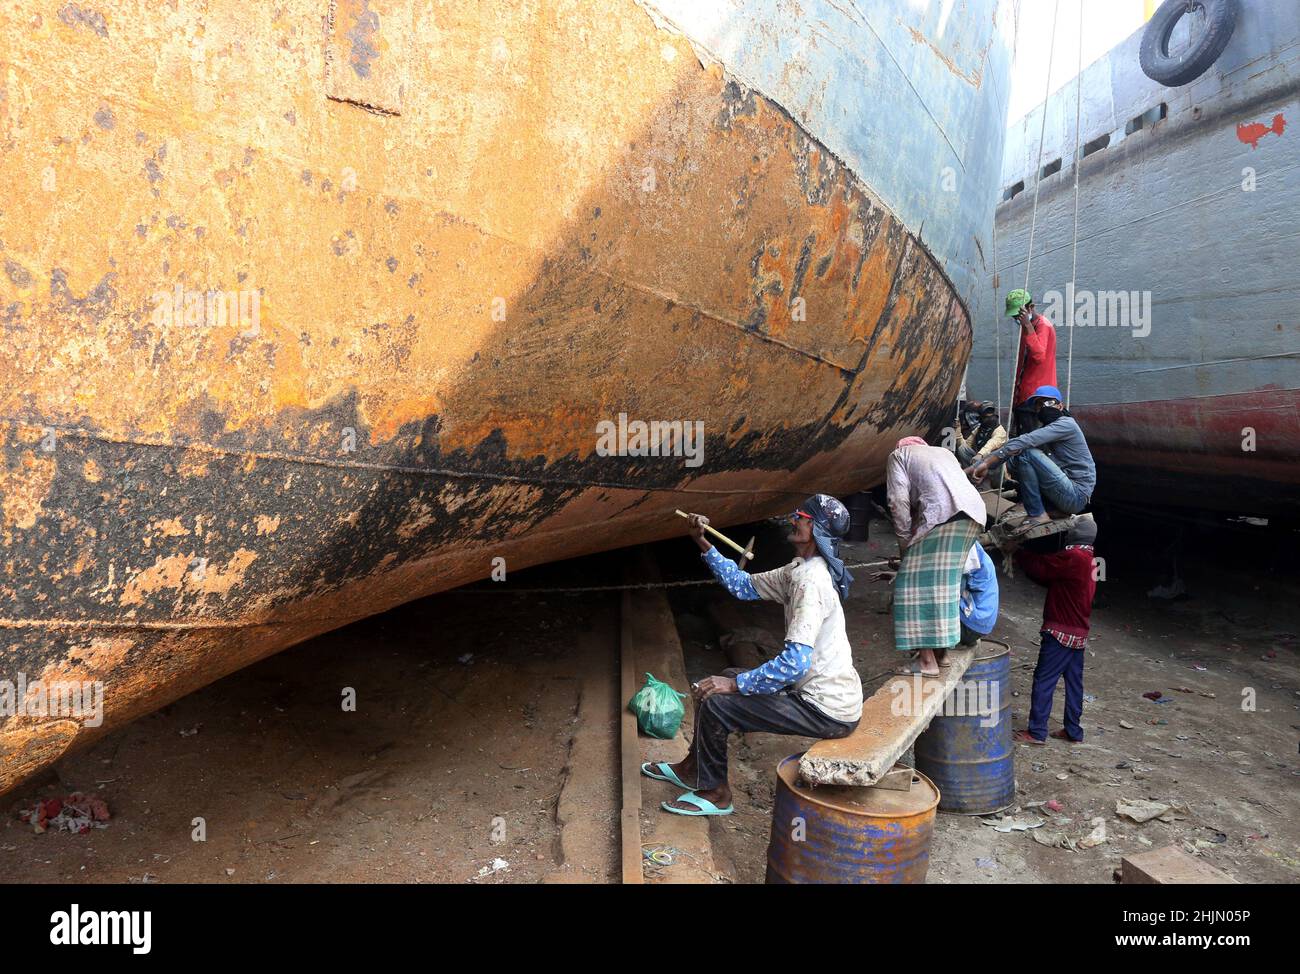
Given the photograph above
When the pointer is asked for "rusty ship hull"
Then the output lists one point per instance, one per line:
(454, 241)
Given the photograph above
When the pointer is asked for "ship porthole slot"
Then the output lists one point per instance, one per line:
(1185, 37)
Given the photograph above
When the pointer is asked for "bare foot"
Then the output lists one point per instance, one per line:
(720, 796)
(685, 769)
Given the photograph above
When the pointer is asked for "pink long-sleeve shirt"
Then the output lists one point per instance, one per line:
(926, 487)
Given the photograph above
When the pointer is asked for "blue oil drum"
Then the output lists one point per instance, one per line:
(834, 834)
(967, 750)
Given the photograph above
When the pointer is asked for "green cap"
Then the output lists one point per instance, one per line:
(1016, 301)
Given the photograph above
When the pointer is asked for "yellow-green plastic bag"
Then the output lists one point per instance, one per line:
(658, 707)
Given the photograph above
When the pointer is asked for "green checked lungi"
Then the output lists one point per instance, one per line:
(927, 591)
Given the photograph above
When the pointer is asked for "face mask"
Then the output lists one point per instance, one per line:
(1049, 414)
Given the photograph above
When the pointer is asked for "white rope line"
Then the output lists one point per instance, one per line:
(1042, 131)
(501, 590)
(1038, 183)
(1074, 248)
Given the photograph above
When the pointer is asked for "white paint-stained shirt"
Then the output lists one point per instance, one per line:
(814, 617)
(926, 487)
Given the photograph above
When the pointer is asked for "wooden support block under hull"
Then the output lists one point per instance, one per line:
(1169, 866)
(650, 638)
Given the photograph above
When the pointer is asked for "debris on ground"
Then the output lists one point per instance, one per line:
(497, 866)
(1012, 823)
(1126, 725)
(1097, 836)
(1142, 810)
(72, 813)
(1175, 589)
(1153, 694)
(1054, 839)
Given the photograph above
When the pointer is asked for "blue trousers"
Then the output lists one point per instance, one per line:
(1041, 479)
(1055, 661)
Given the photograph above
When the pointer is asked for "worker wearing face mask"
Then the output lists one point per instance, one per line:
(1052, 464)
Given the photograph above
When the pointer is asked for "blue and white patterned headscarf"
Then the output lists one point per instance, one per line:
(830, 523)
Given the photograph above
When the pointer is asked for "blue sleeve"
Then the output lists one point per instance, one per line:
(729, 574)
(778, 672)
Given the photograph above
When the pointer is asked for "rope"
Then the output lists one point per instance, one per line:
(579, 589)
(1042, 131)
(997, 335)
(1038, 183)
(1074, 248)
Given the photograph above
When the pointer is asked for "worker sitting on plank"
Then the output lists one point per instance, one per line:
(969, 417)
(937, 516)
(1071, 581)
(986, 437)
(811, 689)
(1052, 463)
(979, 596)
(1037, 360)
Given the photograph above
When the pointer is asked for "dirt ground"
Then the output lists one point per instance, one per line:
(455, 757)
(486, 724)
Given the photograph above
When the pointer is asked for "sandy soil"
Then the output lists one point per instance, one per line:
(455, 757)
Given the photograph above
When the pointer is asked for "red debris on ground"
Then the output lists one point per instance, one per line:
(75, 813)
(1153, 694)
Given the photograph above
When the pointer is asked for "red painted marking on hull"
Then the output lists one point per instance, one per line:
(1251, 133)
(1202, 435)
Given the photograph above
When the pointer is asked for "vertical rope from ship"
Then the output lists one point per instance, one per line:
(1074, 246)
(1038, 182)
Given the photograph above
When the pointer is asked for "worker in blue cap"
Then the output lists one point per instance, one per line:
(1052, 464)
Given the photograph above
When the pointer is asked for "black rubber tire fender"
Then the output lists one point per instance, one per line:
(1206, 46)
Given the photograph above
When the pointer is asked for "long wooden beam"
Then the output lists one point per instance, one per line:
(892, 719)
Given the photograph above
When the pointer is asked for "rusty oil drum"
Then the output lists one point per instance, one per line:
(833, 834)
(973, 764)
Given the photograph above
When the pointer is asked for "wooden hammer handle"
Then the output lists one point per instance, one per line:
(718, 534)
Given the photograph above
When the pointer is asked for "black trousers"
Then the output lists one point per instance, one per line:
(773, 713)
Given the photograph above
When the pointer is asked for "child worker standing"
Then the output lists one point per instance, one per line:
(1071, 584)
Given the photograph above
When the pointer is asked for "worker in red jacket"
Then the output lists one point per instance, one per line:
(1037, 363)
(1071, 583)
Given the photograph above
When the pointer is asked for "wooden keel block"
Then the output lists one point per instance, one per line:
(1170, 866)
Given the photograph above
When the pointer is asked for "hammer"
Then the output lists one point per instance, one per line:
(746, 553)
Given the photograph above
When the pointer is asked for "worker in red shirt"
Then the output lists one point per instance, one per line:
(1071, 583)
(1037, 361)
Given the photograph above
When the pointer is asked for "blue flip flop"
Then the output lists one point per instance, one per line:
(704, 806)
(664, 773)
